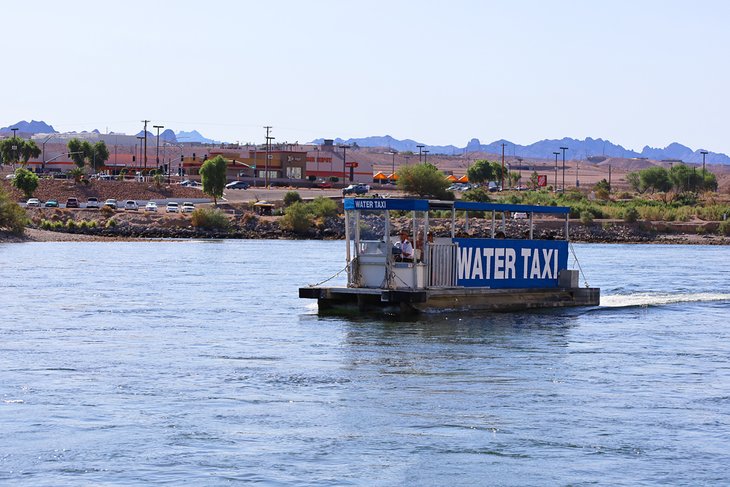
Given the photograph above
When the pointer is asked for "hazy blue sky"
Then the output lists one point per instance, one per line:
(441, 72)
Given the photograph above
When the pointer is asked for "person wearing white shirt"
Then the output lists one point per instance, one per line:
(406, 249)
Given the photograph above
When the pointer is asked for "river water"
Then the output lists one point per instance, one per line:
(133, 363)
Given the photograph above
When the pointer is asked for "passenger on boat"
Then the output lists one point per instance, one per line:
(419, 244)
(404, 252)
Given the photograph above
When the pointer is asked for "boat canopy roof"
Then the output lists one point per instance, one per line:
(385, 204)
(476, 206)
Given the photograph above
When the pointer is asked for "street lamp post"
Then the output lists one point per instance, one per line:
(563, 149)
(157, 156)
(344, 162)
(43, 145)
(15, 144)
(556, 171)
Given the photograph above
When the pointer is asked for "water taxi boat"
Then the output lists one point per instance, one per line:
(459, 271)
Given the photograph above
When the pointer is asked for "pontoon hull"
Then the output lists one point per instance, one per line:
(434, 300)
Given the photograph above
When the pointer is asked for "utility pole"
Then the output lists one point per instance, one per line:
(344, 148)
(145, 142)
(420, 152)
(502, 187)
(392, 153)
(704, 153)
(157, 157)
(268, 155)
(563, 149)
(555, 190)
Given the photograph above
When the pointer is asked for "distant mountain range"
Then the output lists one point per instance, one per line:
(32, 127)
(543, 149)
(592, 149)
(40, 127)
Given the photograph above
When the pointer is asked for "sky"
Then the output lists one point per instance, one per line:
(440, 72)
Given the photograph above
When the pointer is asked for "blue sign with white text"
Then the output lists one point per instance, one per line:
(505, 264)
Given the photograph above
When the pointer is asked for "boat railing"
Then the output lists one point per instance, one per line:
(442, 260)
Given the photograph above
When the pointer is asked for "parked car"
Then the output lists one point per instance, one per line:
(111, 203)
(187, 207)
(356, 189)
(150, 206)
(51, 204)
(323, 184)
(519, 215)
(33, 203)
(92, 203)
(237, 185)
(131, 205)
(172, 207)
(72, 203)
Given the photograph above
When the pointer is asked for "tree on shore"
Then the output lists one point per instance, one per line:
(483, 171)
(76, 151)
(84, 152)
(680, 177)
(213, 175)
(24, 150)
(423, 179)
(26, 181)
(654, 179)
(99, 155)
(12, 216)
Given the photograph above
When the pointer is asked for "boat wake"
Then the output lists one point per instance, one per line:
(657, 299)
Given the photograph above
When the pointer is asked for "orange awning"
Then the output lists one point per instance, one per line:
(451, 178)
(463, 179)
(393, 177)
(380, 176)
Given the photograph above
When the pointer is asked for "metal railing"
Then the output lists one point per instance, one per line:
(442, 261)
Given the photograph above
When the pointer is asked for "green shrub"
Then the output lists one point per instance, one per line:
(106, 211)
(586, 217)
(713, 212)
(477, 194)
(297, 218)
(724, 228)
(26, 181)
(631, 214)
(291, 197)
(210, 219)
(12, 217)
(323, 207)
(111, 223)
(70, 225)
